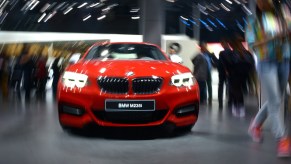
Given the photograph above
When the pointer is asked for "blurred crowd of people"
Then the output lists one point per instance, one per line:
(26, 74)
(235, 66)
(265, 66)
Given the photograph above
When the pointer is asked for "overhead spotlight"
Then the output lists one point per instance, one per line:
(222, 24)
(101, 17)
(113, 5)
(193, 22)
(2, 3)
(134, 10)
(211, 22)
(215, 7)
(60, 6)
(237, 2)
(94, 4)
(135, 17)
(45, 7)
(48, 17)
(201, 7)
(224, 7)
(68, 10)
(186, 19)
(106, 9)
(171, 1)
(2, 18)
(35, 4)
(246, 10)
(228, 1)
(240, 26)
(87, 17)
(3, 6)
(203, 11)
(41, 17)
(210, 8)
(82, 5)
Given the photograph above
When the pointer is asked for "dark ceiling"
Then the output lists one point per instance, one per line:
(65, 16)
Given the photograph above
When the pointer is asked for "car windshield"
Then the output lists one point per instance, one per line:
(125, 52)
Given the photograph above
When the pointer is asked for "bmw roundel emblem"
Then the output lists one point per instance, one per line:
(129, 73)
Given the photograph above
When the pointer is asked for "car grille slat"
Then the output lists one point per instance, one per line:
(113, 85)
(147, 85)
(143, 85)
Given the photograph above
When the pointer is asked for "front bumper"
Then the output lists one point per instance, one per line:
(78, 108)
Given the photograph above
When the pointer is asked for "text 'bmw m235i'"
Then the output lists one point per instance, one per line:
(127, 85)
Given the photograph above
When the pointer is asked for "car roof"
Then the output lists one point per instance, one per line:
(108, 42)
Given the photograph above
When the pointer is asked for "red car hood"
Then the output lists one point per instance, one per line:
(120, 68)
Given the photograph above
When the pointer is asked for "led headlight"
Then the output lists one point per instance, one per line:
(72, 79)
(184, 79)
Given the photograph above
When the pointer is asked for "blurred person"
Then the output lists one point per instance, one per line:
(173, 54)
(27, 64)
(41, 75)
(267, 37)
(201, 74)
(240, 68)
(4, 74)
(222, 67)
(16, 76)
(211, 61)
(56, 67)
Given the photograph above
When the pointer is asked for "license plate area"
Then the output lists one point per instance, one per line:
(129, 105)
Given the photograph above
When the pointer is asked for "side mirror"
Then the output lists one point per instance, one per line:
(74, 58)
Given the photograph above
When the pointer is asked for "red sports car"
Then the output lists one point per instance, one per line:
(127, 85)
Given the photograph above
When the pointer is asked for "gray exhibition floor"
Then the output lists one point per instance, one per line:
(30, 134)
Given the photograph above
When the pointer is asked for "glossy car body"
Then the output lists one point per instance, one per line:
(126, 90)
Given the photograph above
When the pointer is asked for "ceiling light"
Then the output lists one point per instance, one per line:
(35, 4)
(221, 23)
(94, 4)
(224, 7)
(247, 10)
(46, 6)
(113, 5)
(135, 17)
(40, 19)
(237, 2)
(3, 17)
(201, 7)
(210, 8)
(2, 3)
(216, 8)
(82, 5)
(171, 1)
(68, 10)
(3, 6)
(213, 24)
(134, 10)
(228, 1)
(101, 17)
(106, 9)
(48, 17)
(87, 17)
(186, 19)
(60, 6)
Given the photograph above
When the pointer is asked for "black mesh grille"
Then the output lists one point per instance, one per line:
(131, 117)
(113, 85)
(146, 85)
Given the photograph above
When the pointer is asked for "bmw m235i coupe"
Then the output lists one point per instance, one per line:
(127, 85)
